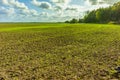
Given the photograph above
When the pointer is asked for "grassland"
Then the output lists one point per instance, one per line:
(31, 51)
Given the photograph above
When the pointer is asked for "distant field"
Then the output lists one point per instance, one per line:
(57, 51)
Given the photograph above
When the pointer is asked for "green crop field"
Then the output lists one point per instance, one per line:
(58, 51)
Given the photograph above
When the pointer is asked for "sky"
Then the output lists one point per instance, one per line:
(48, 10)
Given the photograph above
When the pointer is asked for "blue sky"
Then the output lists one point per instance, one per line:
(47, 10)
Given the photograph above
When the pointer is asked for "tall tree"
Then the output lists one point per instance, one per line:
(104, 15)
(74, 20)
(90, 17)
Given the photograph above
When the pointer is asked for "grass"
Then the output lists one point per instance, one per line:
(59, 51)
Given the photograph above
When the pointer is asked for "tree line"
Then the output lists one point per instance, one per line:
(102, 15)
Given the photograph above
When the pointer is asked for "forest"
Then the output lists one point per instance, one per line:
(110, 15)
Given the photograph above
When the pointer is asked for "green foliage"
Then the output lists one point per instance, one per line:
(74, 20)
(67, 21)
(80, 21)
(104, 15)
(116, 11)
(91, 17)
(112, 22)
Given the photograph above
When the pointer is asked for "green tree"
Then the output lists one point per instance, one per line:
(80, 21)
(67, 22)
(74, 20)
(116, 12)
(103, 15)
(90, 17)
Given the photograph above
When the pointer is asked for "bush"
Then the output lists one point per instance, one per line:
(112, 22)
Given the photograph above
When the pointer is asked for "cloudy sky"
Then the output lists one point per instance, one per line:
(47, 10)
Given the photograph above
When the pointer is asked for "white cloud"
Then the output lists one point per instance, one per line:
(44, 14)
(19, 7)
(7, 11)
(29, 12)
(14, 3)
(111, 1)
(54, 10)
(73, 8)
(18, 4)
(61, 1)
(4, 2)
(95, 2)
(58, 8)
(60, 5)
(43, 5)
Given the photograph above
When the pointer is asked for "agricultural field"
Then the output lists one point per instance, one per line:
(58, 51)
